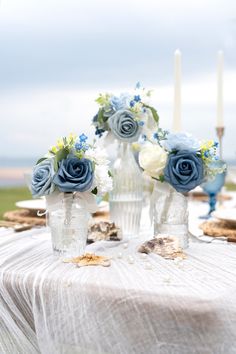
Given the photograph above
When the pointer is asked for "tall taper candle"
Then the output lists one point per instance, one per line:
(220, 64)
(177, 91)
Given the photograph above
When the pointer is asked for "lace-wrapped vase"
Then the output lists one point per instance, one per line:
(68, 220)
(170, 213)
(127, 194)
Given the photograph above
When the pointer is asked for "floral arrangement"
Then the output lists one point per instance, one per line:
(72, 165)
(127, 116)
(179, 159)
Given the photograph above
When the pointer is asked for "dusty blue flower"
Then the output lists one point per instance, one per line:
(137, 98)
(180, 141)
(95, 118)
(184, 171)
(81, 144)
(83, 138)
(42, 178)
(78, 146)
(99, 132)
(74, 175)
(118, 103)
(123, 126)
(156, 136)
(144, 137)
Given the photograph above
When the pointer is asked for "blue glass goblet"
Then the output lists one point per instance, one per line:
(213, 186)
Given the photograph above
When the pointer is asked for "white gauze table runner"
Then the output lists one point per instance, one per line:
(50, 307)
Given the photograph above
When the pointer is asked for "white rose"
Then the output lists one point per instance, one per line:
(152, 158)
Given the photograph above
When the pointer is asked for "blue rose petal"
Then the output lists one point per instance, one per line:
(42, 178)
(184, 171)
(181, 141)
(124, 126)
(74, 175)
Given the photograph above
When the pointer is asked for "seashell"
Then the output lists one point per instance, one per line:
(164, 246)
(104, 231)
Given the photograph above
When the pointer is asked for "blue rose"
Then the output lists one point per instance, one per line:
(124, 126)
(184, 171)
(42, 178)
(74, 175)
(181, 141)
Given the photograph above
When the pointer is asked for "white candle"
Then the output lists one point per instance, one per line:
(220, 64)
(177, 92)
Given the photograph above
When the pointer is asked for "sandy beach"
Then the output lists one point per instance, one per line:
(13, 176)
(16, 176)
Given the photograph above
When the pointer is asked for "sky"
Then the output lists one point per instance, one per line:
(58, 55)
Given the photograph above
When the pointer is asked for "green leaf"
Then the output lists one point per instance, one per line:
(154, 113)
(62, 154)
(110, 174)
(93, 165)
(100, 115)
(95, 191)
(52, 152)
(79, 154)
(106, 197)
(149, 93)
(40, 160)
(103, 99)
(55, 165)
(100, 99)
(160, 179)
